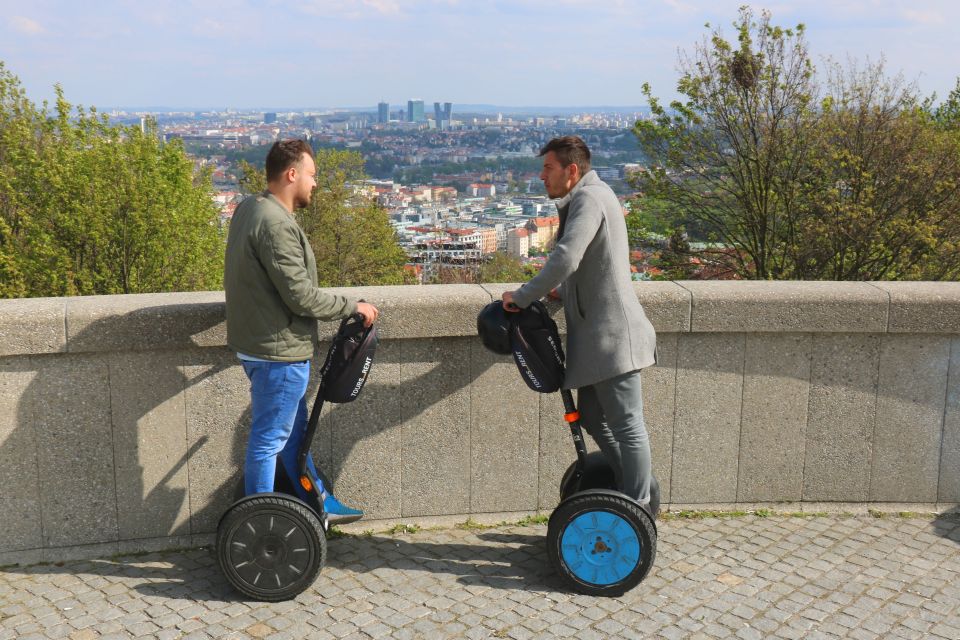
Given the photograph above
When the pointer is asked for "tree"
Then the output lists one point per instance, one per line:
(351, 236)
(947, 114)
(502, 267)
(732, 155)
(885, 202)
(90, 208)
(252, 180)
(847, 176)
(675, 257)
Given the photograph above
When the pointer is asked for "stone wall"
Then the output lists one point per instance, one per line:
(123, 418)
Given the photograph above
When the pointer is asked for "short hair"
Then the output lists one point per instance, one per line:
(569, 150)
(285, 154)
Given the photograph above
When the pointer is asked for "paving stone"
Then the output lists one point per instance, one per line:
(774, 577)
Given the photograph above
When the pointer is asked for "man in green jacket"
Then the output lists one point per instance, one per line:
(273, 304)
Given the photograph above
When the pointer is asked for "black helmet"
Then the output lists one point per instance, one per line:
(493, 326)
(536, 348)
(349, 360)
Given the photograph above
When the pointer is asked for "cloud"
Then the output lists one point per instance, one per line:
(26, 25)
(928, 17)
(355, 8)
(383, 6)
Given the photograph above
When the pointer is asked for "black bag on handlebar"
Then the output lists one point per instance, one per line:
(349, 360)
(537, 350)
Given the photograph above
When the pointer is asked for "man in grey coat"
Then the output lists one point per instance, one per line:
(609, 339)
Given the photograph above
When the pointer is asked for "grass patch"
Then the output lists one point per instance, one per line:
(700, 514)
(472, 525)
(139, 554)
(399, 529)
(335, 533)
(540, 518)
(703, 514)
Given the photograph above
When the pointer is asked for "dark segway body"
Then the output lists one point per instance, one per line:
(597, 474)
(601, 541)
(272, 546)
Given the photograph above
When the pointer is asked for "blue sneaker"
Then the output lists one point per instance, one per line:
(339, 513)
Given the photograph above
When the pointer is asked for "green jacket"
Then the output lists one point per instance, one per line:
(270, 282)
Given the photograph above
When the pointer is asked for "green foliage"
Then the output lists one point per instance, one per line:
(252, 180)
(502, 267)
(724, 156)
(947, 114)
(843, 176)
(400, 529)
(352, 238)
(887, 186)
(675, 257)
(87, 208)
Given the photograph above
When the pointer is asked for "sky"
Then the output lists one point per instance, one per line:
(328, 53)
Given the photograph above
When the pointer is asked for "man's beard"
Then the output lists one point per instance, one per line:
(300, 202)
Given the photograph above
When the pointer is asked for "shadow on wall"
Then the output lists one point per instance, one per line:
(138, 444)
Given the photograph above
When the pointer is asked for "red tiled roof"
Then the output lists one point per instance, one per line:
(546, 222)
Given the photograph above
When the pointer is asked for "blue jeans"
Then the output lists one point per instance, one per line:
(279, 422)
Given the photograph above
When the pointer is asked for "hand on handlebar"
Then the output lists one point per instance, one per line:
(369, 313)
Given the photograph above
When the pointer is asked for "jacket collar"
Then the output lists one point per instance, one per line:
(269, 196)
(590, 177)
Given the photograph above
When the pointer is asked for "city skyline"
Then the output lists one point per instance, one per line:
(351, 53)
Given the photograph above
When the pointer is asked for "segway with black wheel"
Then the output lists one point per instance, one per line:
(600, 541)
(272, 546)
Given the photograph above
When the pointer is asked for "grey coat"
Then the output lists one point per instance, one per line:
(608, 333)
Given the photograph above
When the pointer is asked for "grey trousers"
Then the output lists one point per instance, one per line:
(611, 411)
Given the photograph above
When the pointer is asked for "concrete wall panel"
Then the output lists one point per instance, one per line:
(910, 407)
(366, 442)
(949, 481)
(70, 402)
(19, 470)
(217, 396)
(776, 389)
(150, 443)
(707, 429)
(842, 414)
(504, 427)
(434, 397)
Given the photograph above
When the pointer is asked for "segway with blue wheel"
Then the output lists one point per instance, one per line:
(601, 541)
(272, 546)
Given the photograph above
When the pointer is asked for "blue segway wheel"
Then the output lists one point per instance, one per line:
(601, 543)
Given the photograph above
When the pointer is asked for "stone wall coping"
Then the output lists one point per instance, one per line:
(138, 322)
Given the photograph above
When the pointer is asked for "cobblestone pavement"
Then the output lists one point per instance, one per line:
(744, 577)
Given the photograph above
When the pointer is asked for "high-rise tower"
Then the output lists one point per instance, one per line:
(415, 110)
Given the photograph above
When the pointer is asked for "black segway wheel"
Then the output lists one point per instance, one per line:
(597, 474)
(601, 544)
(271, 547)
